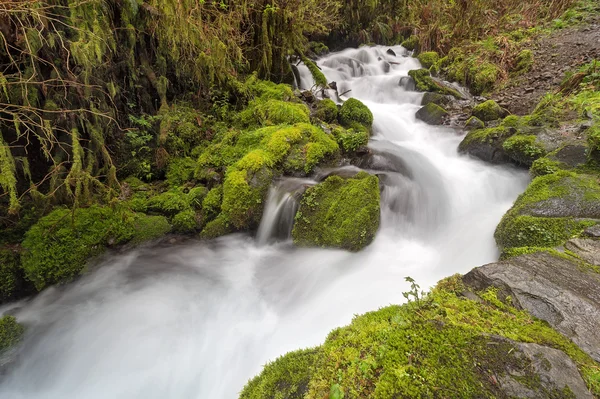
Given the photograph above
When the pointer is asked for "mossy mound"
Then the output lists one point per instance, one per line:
(354, 111)
(523, 149)
(411, 43)
(339, 213)
(269, 112)
(327, 111)
(553, 209)
(180, 171)
(10, 332)
(351, 139)
(432, 114)
(58, 246)
(438, 344)
(474, 123)
(428, 58)
(424, 82)
(488, 111)
(544, 166)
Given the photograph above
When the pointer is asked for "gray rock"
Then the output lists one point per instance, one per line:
(391, 52)
(572, 155)
(552, 288)
(474, 123)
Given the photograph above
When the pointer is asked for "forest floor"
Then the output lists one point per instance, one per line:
(554, 55)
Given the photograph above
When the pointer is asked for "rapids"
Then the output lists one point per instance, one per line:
(197, 320)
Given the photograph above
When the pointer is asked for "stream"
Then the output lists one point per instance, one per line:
(198, 319)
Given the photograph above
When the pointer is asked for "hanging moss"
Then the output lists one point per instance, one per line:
(58, 246)
(318, 76)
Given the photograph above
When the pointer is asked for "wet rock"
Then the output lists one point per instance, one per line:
(489, 111)
(486, 144)
(407, 83)
(432, 114)
(308, 96)
(572, 155)
(552, 288)
(474, 123)
(391, 52)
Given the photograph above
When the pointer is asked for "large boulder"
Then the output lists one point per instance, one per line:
(339, 213)
(486, 144)
(553, 209)
(554, 287)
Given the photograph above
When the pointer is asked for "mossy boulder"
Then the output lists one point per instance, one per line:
(185, 222)
(269, 112)
(354, 111)
(403, 351)
(351, 139)
(180, 171)
(488, 111)
(339, 213)
(424, 82)
(327, 111)
(58, 246)
(428, 58)
(432, 114)
(169, 203)
(545, 166)
(523, 149)
(486, 144)
(11, 332)
(553, 209)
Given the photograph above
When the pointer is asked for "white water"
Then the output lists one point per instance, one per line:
(197, 320)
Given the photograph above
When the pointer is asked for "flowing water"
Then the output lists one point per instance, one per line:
(196, 320)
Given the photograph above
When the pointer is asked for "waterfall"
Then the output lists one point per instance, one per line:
(197, 320)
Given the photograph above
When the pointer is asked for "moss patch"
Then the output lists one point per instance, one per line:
(351, 139)
(523, 149)
(424, 82)
(428, 58)
(488, 111)
(339, 213)
(11, 332)
(327, 111)
(58, 246)
(440, 343)
(354, 111)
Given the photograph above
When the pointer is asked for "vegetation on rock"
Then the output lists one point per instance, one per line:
(354, 111)
(488, 111)
(339, 213)
(10, 332)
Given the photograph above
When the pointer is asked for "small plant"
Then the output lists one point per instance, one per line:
(414, 295)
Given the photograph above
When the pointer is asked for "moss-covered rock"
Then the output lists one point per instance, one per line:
(261, 112)
(327, 111)
(544, 166)
(351, 139)
(211, 205)
(11, 332)
(339, 213)
(181, 129)
(354, 111)
(405, 352)
(488, 111)
(486, 144)
(428, 58)
(474, 123)
(185, 222)
(217, 227)
(196, 196)
(523, 149)
(58, 246)
(424, 82)
(169, 203)
(287, 377)
(411, 43)
(180, 171)
(432, 114)
(553, 209)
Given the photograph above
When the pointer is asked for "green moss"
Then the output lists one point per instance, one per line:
(211, 205)
(485, 77)
(11, 275)
(268, 90)
(351, 139)
(523, 149)
(11, 332)
(544, 166)
(185, 222)
(593, 140)
(169, 203)
(428, 58)
(270, 112)
(438, 344)
(217, 228)
(354, 111)
(340, 213)
(412, 43)
(287, 377)
(488, 135)
(488, 111)
(432, 114)
(520, 227)
(243, 194)
(196, 196)
(524, 61)
(181, 129)
(180, 171)
(474, 123)
(327, 111)
(424, 82)
(318, 76)
(59, 244)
